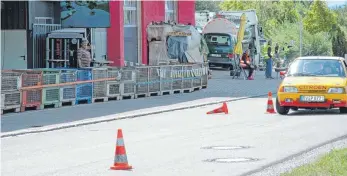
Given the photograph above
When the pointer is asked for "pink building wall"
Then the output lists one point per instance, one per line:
(115, 34)
(150, 11)
(186, 12)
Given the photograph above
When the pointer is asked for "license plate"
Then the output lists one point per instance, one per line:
(216, 55)
(312, 98)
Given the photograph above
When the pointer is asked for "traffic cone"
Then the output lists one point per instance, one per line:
(120, 159)
(270, 106)
(224, 109)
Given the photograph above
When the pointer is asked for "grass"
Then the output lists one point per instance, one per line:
(332, 164)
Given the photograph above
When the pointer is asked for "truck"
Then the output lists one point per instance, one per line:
(202, 18)
(225, 25)
(220, 36)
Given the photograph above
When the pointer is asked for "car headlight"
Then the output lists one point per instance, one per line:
(337, 90)
(290, 89)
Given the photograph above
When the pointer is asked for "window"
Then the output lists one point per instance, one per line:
(218, 39)
(130, 13)
(170, 11)
(317, 67)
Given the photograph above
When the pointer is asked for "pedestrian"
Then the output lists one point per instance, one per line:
(83, 55)
(246, 64)
(268, 72)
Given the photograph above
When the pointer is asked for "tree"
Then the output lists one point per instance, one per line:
(339, 43)
(319, 18)
(212, 6)
(313, 44)
(341, 13)
(271, 14)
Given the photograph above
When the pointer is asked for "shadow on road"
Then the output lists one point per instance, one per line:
(219, 69)
(314, 112)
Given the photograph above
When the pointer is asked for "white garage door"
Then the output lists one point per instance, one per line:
(99, 38)
(13, 49)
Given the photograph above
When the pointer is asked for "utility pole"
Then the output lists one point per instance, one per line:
(301, 28)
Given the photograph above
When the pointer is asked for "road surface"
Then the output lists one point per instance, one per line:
(173, 143)
(220, 86)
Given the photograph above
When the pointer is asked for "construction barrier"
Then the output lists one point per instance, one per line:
(42, 88)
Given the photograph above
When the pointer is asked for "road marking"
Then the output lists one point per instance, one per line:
(226, 147)
(232, 160)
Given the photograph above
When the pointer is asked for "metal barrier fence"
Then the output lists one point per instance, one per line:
(50, 95)
(32, 97)
(68, 93)
(28, 88)
(84, 92)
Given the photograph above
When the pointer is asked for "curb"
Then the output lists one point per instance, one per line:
(18, 133)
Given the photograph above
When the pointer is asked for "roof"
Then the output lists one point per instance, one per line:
(321, 57)
(69, 30)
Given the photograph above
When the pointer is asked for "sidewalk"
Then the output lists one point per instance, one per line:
(221, 85)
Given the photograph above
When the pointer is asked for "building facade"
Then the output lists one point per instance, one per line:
(26, 23)
(129, 43)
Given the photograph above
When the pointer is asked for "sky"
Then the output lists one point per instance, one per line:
(333, 3)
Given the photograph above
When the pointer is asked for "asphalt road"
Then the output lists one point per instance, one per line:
(221, 85)
(173, 143)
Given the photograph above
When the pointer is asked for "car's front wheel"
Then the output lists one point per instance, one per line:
(280, 109)
(343, 110)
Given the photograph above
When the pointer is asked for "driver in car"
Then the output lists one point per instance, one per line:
(327, 69)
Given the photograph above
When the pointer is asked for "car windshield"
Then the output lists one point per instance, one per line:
(218, 39)
(317, 67)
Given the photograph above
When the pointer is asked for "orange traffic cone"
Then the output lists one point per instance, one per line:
(224, 109)
(270, 106)
(120, 159)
